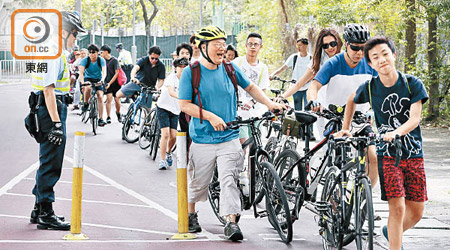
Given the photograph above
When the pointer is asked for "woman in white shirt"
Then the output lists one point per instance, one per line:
(168, 111)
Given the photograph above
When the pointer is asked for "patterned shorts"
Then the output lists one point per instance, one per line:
(407, 180)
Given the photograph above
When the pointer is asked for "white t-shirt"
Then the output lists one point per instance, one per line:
(125, 57)
(166, 101)
(300, 67)
(259, 75)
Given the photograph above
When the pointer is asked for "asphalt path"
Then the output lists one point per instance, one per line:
(127, 202)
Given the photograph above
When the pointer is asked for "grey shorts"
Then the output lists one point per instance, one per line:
(229, 158)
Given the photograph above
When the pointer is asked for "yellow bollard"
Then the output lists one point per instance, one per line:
(77, 187)
(183, 216)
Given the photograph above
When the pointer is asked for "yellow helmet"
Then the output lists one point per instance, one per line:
(210, 33)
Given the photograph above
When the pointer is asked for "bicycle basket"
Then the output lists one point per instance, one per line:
(294, 127)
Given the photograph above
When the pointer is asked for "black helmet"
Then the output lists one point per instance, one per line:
(356, 33)
(71, 21)
(119, 45)
(180, 61)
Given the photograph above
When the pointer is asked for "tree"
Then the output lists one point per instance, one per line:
(148, 20)
(410, 54)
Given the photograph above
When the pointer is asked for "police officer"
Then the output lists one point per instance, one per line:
(50, 90)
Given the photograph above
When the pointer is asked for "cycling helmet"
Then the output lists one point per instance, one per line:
(119, 46)
(210, 33)
(180, 61)
(71, 21)
(356, 33)
(206, 34)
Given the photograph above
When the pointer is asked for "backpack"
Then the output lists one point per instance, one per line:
(195, 69)
(295, 61)
(405, 79)
(89, 62)
(121, 78)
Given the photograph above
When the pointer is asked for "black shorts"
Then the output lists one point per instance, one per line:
(113, 88)
(166, 118)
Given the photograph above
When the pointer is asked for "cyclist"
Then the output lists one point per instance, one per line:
(148, 71)
(327, 45)
(212, 143)
(299, 63)
(257, 72)
(168, 111)
(231, 53)
(93, 69)
(184, 50)
(342, 74)
(195, 50)
(112, 85)
(49, 90)
(77, 94)
(396, 100)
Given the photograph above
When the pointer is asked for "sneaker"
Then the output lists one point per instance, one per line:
(119, 117)
(169, 159)
(101, 123)
(108, 120)
(75, 107)
(233, 232)
(163, 165)
(384, 234)
(194, 227)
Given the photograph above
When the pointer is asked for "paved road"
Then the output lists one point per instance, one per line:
(128, 203)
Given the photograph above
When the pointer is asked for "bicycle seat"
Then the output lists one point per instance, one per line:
(276, 91)
(305, 117)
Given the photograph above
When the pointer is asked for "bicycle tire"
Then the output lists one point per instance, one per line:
(364, 240)
(132, 125)
(294, 186)
(332, 238)
(214, 196)
(145, 133)
(276, 203)
(271, 145)
(155, 142)
(261, 157)
(94, 116)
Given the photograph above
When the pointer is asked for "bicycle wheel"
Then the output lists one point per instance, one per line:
(214, 196)
(364, 216)
(145, 133)
(271, 146)
(132, 125)
(259, 189)
(276, 203)
(94, 116)
(331, 195)
(155, 143)
(294, 182)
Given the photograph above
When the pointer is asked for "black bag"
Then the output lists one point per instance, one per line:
(32, 124)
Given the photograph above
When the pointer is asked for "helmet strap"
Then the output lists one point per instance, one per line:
(349, 58)
(207, 56)
(66, 38)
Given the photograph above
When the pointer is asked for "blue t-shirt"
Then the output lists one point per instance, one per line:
(218, 96)
(342, 80)
(93, 71)
(391, 106)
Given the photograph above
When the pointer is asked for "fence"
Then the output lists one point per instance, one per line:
(13, 70)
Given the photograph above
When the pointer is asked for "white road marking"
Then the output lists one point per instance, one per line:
(87, 201)
(140, 197)
(18, 178)
(105, 241)
(69, 182)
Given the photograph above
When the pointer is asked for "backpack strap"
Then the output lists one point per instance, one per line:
(88, 62)
(405, 80)
(295, 61)
(195, 70)
(232, 75)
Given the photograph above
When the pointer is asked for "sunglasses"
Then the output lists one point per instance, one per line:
(154, 58)
(356, 48)
(93, 52)
(327, 45)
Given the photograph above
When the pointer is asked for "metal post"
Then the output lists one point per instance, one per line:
(183, 215)
(78, 6)
(133, 48)
(77, 188)
(102, 29)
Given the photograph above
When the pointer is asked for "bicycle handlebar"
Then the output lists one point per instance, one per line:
(239, 122)
(276, 78)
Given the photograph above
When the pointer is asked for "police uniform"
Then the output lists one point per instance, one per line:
(51, 155)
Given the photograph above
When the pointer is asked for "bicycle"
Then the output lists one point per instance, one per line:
(92, 109)
(150, 132)
(264, 183)
(135, 117)
(347, 193)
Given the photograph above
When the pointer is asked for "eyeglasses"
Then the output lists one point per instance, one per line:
(154, 58)
(327, 45)
(220, 45)
(93, 52)
(253, 45)
(356, 48)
